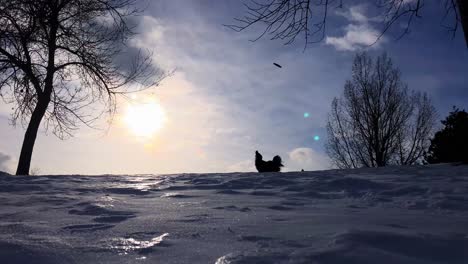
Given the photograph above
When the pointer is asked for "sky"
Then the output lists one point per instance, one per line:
(226, 99)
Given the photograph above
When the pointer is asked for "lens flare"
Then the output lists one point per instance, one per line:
(316, 138)
(306, 115)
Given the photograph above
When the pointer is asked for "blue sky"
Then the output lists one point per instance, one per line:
(226, 99)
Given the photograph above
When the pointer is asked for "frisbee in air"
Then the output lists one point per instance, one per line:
(277, 65)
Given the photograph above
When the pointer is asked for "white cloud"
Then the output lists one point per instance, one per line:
(356, 36)
(360, 33)
(355, 14)
(5, 163)
(307, 159)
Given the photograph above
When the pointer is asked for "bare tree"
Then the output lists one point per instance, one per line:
(58, 63)
(378, 121)
(288, 19)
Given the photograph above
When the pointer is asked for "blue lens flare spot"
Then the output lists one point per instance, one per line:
(316, 138)
(306, 115)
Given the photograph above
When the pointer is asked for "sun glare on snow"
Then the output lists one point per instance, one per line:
(144, 119)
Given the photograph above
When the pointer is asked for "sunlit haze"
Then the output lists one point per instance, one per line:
(226, 98)
(144, 119)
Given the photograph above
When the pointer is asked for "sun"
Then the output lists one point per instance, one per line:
(144, 119)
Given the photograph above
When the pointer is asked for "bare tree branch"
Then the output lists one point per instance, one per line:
(288, 19)
(58, 61)
(378, 121)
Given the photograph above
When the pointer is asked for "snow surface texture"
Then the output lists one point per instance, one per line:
(387, 215)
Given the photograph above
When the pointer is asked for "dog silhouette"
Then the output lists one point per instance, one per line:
(267, 166)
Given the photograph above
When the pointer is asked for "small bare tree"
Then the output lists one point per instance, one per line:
(58, 58)
(288, 19)
(378, 121)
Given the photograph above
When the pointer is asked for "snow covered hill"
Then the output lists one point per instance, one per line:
(387, 215)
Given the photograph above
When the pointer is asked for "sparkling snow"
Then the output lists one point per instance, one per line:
(388, 215)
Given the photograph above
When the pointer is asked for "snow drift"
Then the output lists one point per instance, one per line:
(388, 215)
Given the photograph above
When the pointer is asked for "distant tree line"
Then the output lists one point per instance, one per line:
(450, 144)
(378, 121)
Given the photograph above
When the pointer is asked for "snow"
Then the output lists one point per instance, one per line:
(413, 214)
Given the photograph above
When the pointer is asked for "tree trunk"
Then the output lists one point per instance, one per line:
(30, 136)
(463, 11)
